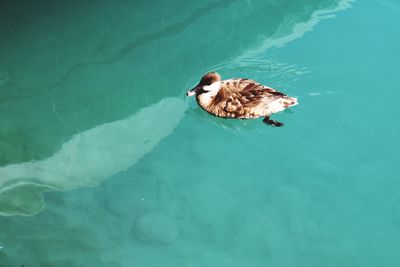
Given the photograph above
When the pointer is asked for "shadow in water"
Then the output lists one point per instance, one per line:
(121, 53)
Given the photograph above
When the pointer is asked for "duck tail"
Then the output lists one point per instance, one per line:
(290, 101)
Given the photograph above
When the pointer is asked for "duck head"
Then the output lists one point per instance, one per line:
(210, 83)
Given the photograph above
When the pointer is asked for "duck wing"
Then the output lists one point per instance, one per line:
(251, 92)
(245, 98)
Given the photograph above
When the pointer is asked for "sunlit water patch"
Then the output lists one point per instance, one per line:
(89, 157)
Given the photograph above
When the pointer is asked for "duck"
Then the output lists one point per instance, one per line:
(240, 98)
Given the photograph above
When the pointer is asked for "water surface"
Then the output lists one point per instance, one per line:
(104, 162)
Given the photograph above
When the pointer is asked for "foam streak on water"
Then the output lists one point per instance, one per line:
(91, 156)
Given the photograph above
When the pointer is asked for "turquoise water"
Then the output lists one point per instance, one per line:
(105, 162)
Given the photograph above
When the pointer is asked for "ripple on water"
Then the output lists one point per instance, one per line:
(270, 72)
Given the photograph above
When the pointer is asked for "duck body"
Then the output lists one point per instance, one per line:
(240, 98)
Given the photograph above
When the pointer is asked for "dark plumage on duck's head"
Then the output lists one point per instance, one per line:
(204, 84)
(210, 78)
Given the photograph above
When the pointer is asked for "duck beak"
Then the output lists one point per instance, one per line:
(193, 91)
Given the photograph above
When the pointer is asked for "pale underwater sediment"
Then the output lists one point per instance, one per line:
(88, 158)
